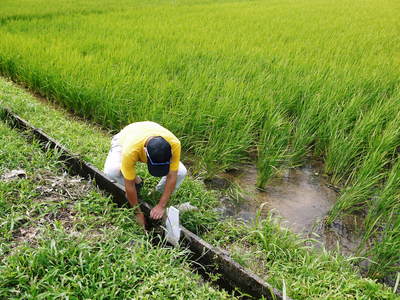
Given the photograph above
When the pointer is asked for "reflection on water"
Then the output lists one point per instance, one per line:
(302, 197)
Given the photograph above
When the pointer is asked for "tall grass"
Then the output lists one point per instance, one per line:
(286, 78)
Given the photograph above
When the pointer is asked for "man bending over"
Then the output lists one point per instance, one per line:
(150, 143)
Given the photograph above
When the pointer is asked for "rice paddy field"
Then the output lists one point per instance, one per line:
(278, 256)
(268, 82)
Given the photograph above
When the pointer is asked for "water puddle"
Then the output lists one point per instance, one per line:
(302, 197)
(344, 234)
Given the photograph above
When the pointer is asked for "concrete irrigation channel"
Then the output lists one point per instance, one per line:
(211, 259)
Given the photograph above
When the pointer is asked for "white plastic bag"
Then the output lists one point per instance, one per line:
(173, 233)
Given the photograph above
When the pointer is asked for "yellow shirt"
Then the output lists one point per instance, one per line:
(132, 139)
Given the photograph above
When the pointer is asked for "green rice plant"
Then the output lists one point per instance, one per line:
(387, 197)
(288, 79)
(354, 137)
(178, 79)
(273, 146)
(385, 227)
(371, 171)
(386, 253)
(306, 130)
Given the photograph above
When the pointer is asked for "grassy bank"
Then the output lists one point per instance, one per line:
(61, 238)
(288, 261)
(273, 253)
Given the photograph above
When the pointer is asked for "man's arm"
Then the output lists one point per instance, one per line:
(131, 195)
(158, 211)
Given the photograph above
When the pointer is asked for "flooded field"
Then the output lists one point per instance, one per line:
(302, 197)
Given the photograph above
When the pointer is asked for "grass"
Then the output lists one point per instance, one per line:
(273, 253)
(282, 258)
(65, 240)
(279, 80)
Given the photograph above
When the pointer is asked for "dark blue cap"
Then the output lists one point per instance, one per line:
(158, 156)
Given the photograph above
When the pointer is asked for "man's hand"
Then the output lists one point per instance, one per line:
(157, 212)
(131, 195)
(140, 219)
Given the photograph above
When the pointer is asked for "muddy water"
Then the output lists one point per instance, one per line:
(301, 197)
